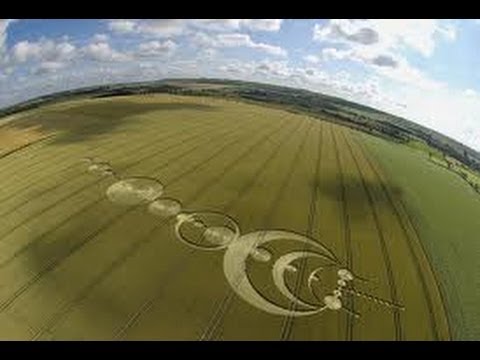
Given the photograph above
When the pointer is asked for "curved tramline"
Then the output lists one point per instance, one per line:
(207, 219)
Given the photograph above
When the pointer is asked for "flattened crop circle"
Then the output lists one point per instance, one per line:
(206, 230)
(135, 191)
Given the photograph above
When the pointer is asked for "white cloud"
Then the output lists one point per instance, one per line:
(49, 56)
(238, 68)
(43, 50)
(100, 38)
(311, 59)
(236, 24)
(162, 27)
(377, 44)
(101, 51)
(386, 80)
(335, 54)
(405, 73)
(363, 55)
(122, 26)
(48, 67)
(386, 64)
(231, 40)
(343, 30)
(274, 68)
(470, 93)
(386, 34)
(339, 83)
(6, 66)
(209, 54)
(157, 48)
(451, 112)
(25, 50)
(217, 24)
(263, 24)
(4, 23)
(149, 27)
(175, 27)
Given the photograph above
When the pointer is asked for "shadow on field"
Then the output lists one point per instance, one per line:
(356, 195)
(59, 286)
(87, 120)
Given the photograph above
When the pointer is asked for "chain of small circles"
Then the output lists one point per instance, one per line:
(332, 301)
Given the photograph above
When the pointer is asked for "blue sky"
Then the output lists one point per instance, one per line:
(425, 70)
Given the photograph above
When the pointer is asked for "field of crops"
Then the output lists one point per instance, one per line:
(270, 226)
(445, 210)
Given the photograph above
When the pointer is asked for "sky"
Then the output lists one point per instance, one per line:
(425, 70)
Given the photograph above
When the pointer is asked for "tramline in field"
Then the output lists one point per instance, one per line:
(224, 233)
(308, 237)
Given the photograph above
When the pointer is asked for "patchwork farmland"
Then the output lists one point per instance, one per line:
(76, 265)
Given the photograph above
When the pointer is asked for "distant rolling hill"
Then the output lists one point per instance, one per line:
(328, 107)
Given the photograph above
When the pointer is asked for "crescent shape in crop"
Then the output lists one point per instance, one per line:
(234, 266)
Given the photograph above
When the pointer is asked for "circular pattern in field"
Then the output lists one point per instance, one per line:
(206, 230)
(219, 235)
(238, 158)
(165, 208)
(135, 191)
(345, 275)
(100, 168)
(332, 302)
